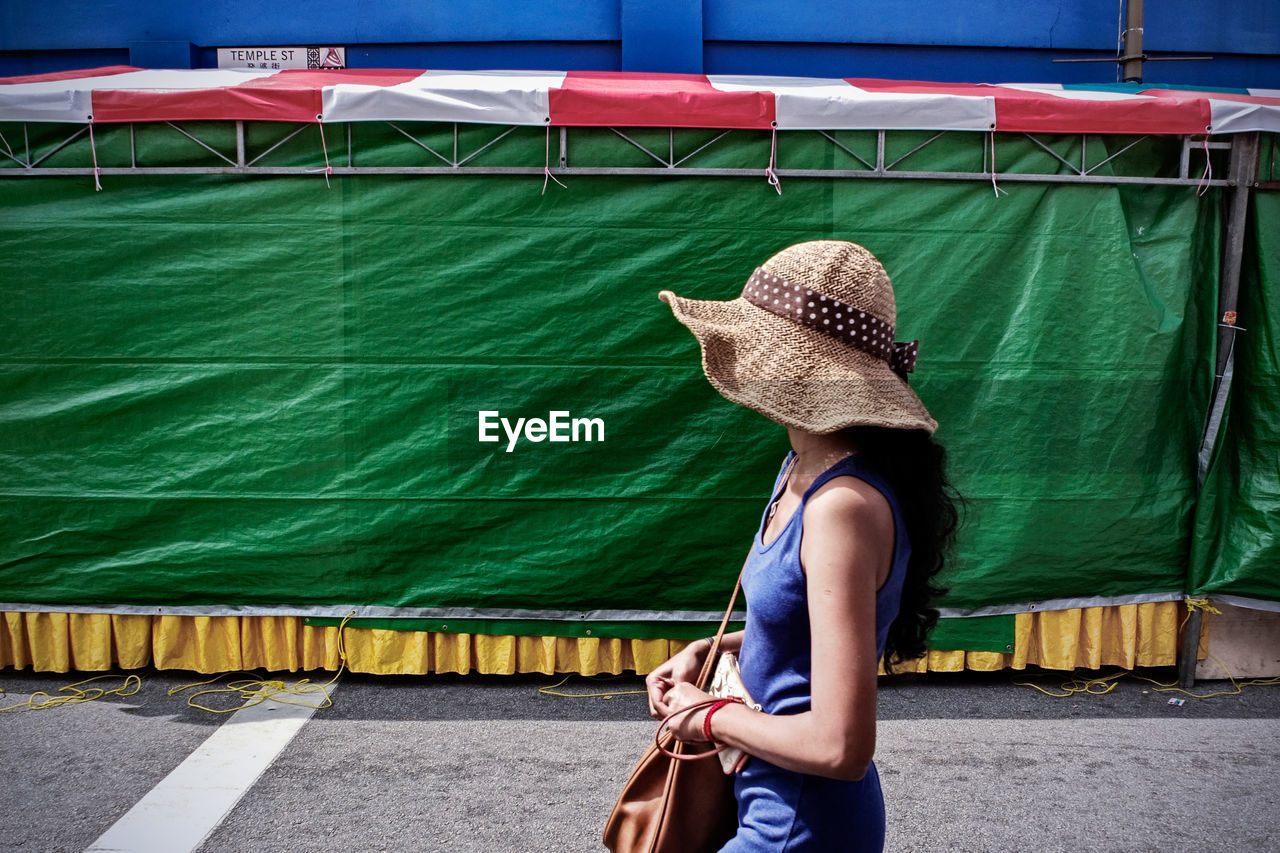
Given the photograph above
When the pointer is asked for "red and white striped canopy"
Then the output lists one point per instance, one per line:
(624, 99)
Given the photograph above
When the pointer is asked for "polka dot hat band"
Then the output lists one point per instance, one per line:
(816, 310)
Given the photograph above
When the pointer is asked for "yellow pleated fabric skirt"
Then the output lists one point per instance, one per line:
(1122, 635)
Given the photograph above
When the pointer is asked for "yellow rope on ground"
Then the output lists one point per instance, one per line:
(252, 690)
(1107, 683)
(1092, 686)
(552, 691)
(132, 684)
(1237, 687)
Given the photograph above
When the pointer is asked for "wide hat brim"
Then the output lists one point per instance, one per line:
(795, 375)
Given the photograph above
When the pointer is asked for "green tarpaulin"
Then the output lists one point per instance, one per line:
(245, 393)
(1237, 540)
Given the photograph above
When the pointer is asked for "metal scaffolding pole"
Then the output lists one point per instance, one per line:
(1243, 173)
(1131, 60)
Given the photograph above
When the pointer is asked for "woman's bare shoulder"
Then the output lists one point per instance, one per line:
(848, 532)
(847, 501)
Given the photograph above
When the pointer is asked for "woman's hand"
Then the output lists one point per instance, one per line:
(684, 666)
(687, 727)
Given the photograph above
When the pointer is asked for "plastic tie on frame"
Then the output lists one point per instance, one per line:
(328, 169)
(770, 175)
(546, 163)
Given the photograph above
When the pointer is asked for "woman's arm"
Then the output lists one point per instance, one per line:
(846, 551)
(685, 666)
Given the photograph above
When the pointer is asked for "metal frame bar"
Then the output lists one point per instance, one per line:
(675, 164)
(454, 163)
(1055, 155)
(244, 162)
(31, 165)
(846, 149)
(247, 167)
(1097, 166)
(671, 135)
(886, 169)
(8, 152)
(424, 146)
(610, 171)
(1189, 144)
(483, 148)
(1004, 177)
(615, 171)
(199, 142)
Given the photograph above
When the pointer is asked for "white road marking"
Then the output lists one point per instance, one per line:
(180, 812)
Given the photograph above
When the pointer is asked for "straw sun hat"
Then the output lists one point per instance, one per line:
(809, 343)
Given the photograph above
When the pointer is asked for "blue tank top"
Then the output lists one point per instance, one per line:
(780, 810)
(775, 648)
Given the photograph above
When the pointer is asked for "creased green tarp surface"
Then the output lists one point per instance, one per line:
(1238, 522)
(255, 392)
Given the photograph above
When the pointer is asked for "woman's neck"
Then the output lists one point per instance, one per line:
(816, 453)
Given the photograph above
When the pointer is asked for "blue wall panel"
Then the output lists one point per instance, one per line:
(975, 65)
(989, 23)
(164, 54)
(1252, 26)
(77, 24)
(17, 63)
(662, 35)
(904, 62)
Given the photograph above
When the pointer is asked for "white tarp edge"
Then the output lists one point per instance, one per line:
(816, 103)
(490, 97)
(1242, 117)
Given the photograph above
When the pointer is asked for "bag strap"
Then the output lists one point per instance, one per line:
(707, 664)
(714, 652)
(705, 674)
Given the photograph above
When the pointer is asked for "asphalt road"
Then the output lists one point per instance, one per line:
(968, 762)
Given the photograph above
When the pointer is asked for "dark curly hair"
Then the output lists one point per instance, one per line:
(915, 467)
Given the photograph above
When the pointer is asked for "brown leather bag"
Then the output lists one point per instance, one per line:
(671, 805)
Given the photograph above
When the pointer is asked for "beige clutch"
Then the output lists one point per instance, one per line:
(726, 683)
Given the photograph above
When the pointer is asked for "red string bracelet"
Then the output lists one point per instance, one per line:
(706, 721)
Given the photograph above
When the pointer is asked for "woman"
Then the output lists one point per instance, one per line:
(840, 572)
